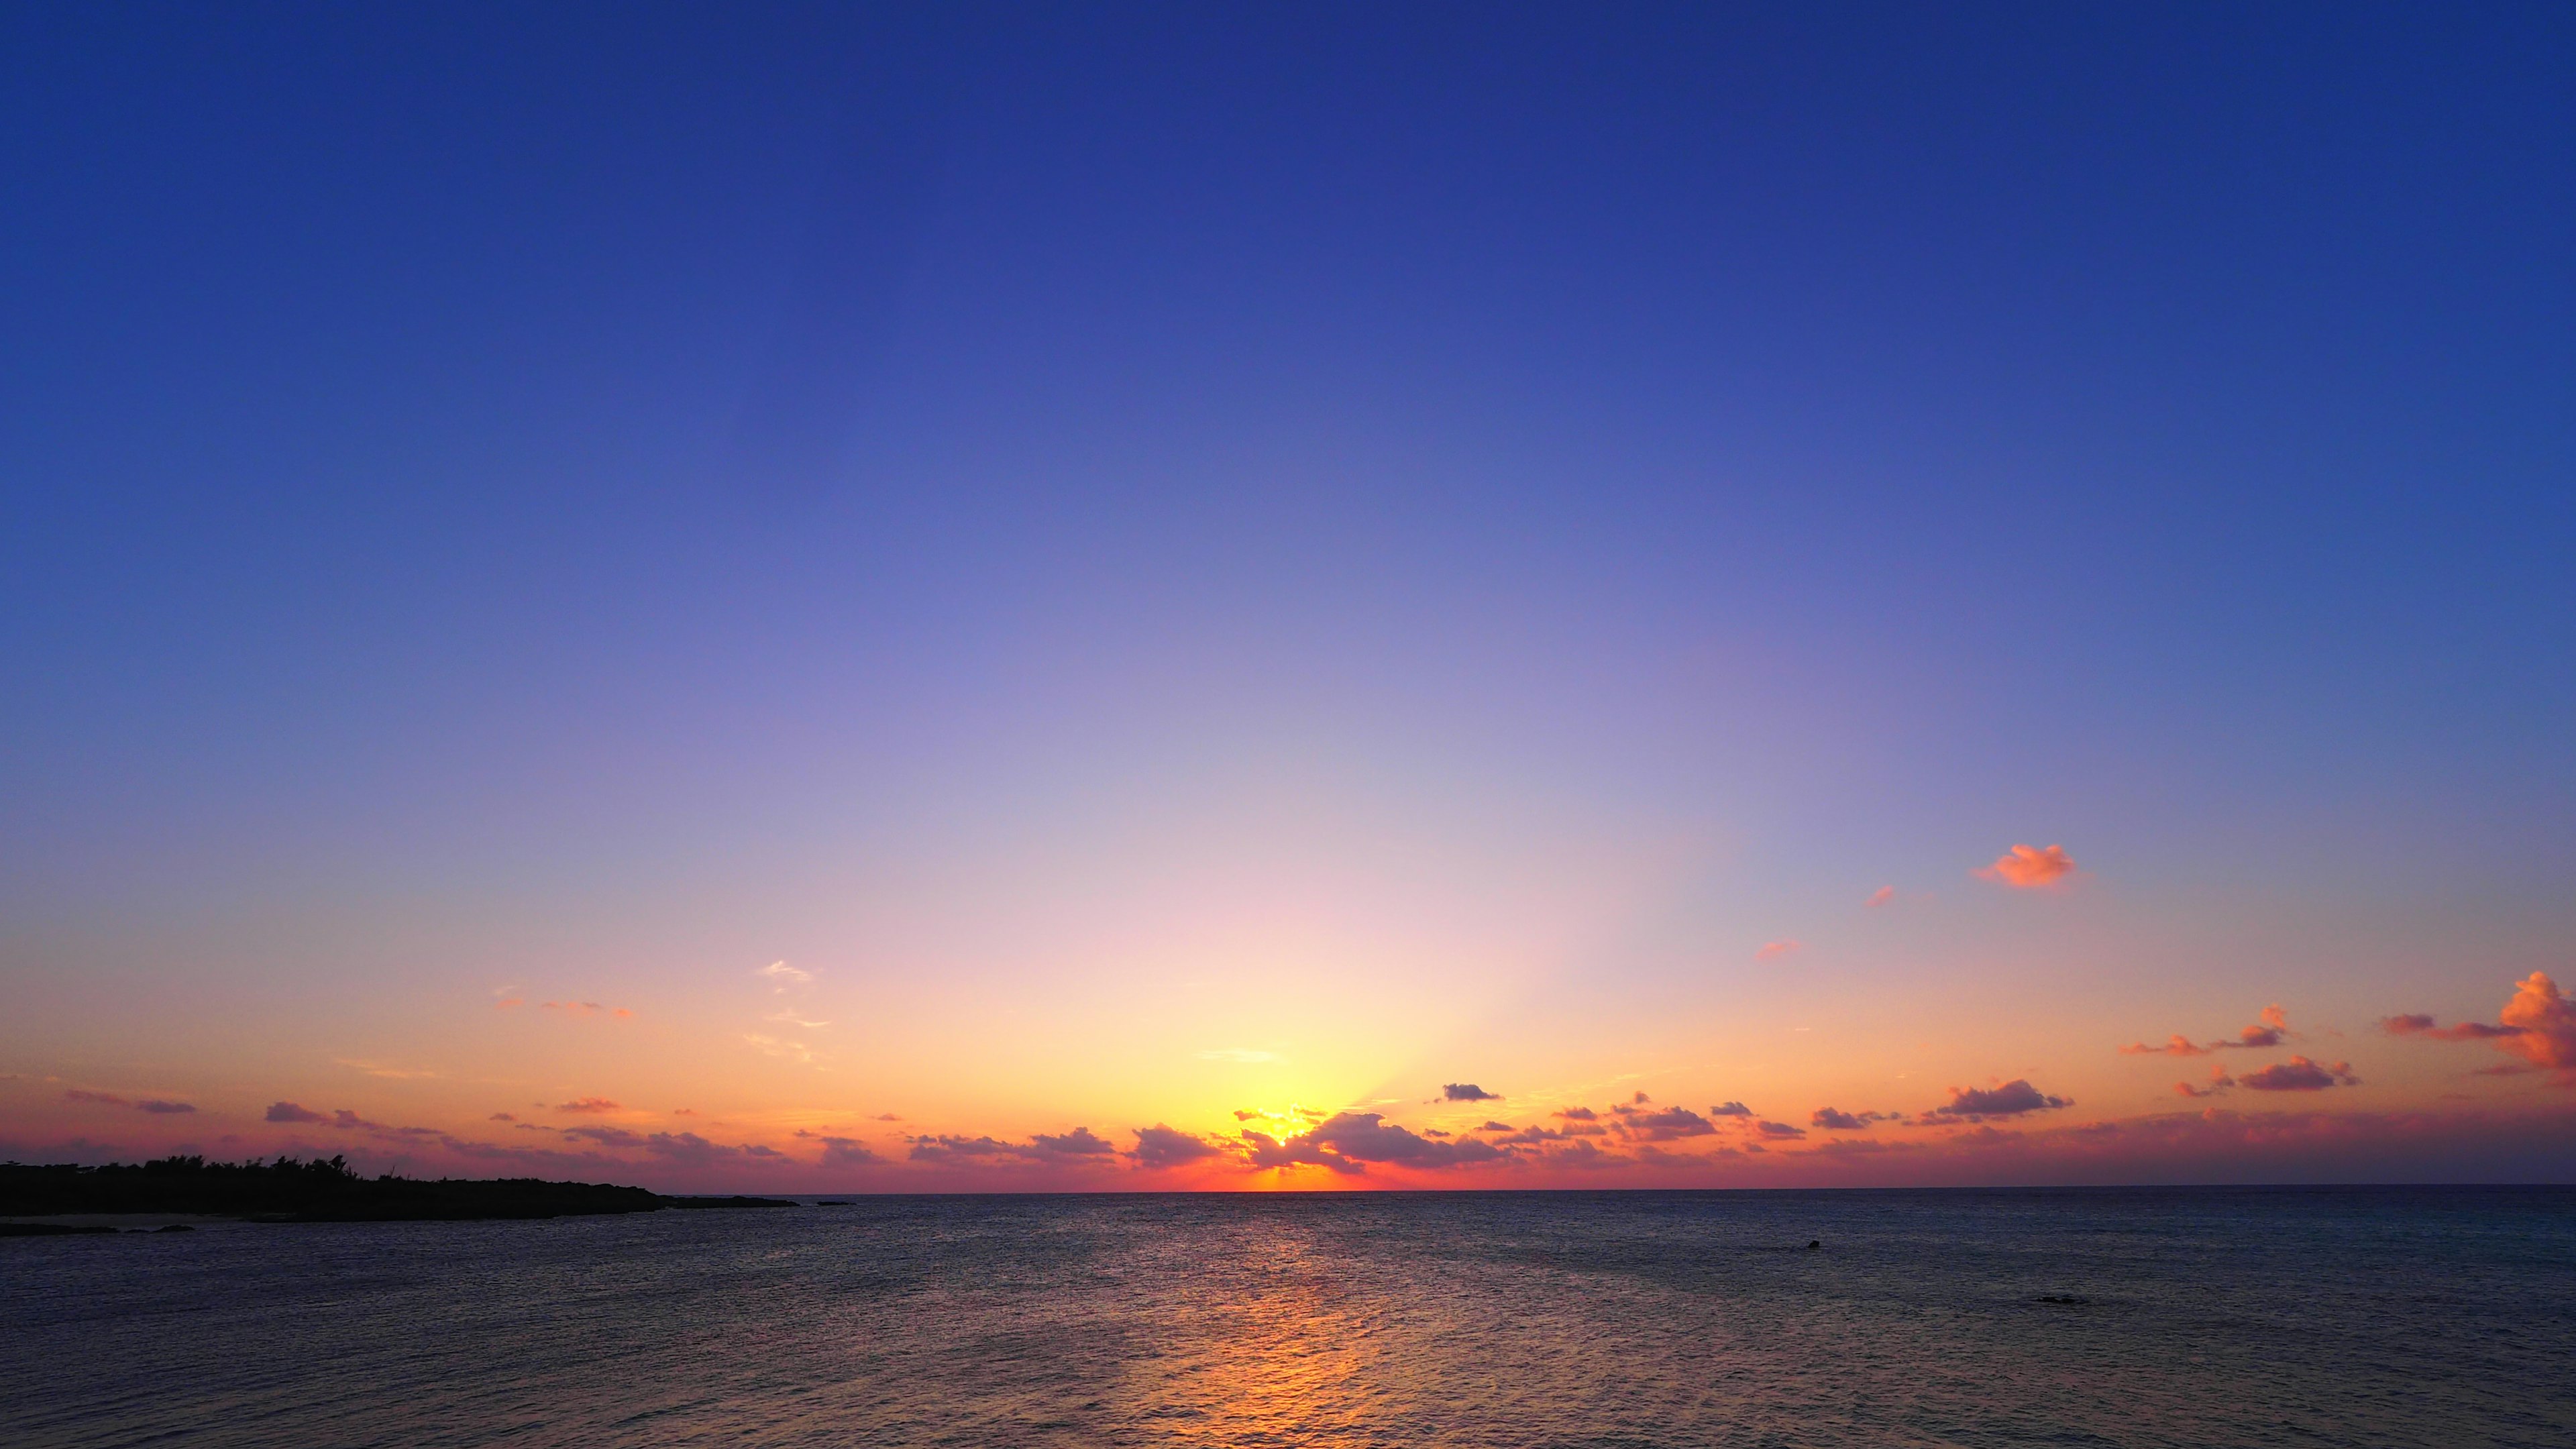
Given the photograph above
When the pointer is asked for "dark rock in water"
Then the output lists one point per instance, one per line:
(48, 1230)
(830, 1202)
(1814, 1243)
(727, 1202)
(2069, 1299)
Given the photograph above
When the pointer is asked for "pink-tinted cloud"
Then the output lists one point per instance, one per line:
(155, 1105)
(101, 1099)
(2538, 1024)
(1774, 950)
(1730, 1109)
(2219, 1082)
(2177, 1045)
(1779, 1130)
(2026, 867)
(606, 1136)
(1881, 896)
(2012, 1099)
(290, 1112)
(589, 1105)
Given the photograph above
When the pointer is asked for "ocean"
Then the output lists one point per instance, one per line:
(2420, 1317)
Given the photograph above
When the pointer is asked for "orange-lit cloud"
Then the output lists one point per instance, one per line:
(2538, 1024)
(2272, 1026)
(1881, 896)
(2026, 867)
(1774, 950)
(782, 975)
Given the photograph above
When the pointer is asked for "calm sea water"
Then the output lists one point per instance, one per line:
(2407, 1317)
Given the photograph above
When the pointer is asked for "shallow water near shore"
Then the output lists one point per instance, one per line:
(2432, 1317)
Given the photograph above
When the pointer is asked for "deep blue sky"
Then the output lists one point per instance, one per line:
(533, 465)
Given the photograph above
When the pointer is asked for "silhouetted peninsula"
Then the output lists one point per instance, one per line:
(320, 1190)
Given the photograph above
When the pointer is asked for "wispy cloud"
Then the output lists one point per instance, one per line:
(584, 1008)
(1774, 950)
(589, 1105)
(782, 975)
(2027, 867)
(1882, 896)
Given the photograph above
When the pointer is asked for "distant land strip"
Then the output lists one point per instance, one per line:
(320, 1190)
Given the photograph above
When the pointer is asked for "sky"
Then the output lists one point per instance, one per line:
(994, 598)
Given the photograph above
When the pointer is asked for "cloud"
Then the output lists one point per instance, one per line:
(2012, 1099)
(1080, 1142)
(1779, 1129)
(1246, 1055)
(1668, 1125)
(786, 1051)
(2299, 1074)
(502, 1117)
(2176, 1046)
(1730, 1109)
(1576, 1114)
(103, 1099)
(2027, 868)
(1881, 896)
(584, 1008)
(606, 1136)
(1467, 1092)
(1159, 1147)
(2538, 1024)
(1346, 1140)
(848, 1152)
(790, 1018)
(156, 1105)
(697, 1151)
(2268, 1031)
(1834, 1121)
(592, 1105)
(289, 1112)
(1079, 1145)
(784, 974)
(1774, 950)
(380, 1069)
